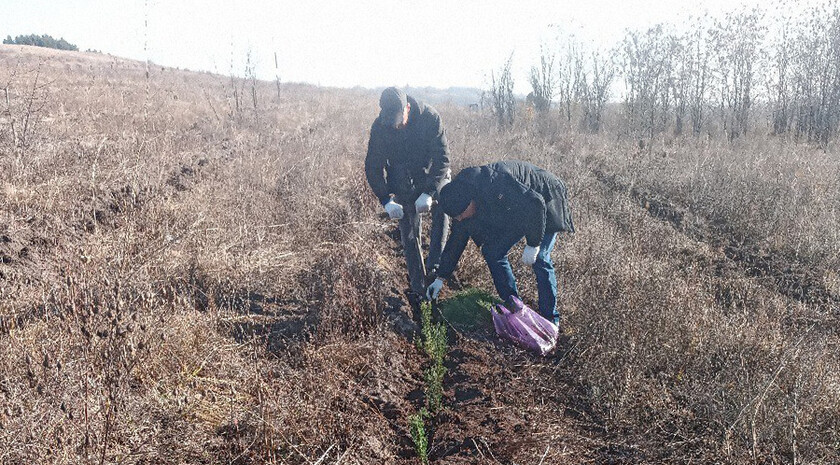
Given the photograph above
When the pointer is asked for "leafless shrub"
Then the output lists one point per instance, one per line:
(23, 108)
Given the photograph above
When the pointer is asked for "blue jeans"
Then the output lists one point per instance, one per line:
(495, 254)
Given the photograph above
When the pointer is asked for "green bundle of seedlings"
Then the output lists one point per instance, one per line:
(435, 345)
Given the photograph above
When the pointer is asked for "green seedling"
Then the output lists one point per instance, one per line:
(417, 428)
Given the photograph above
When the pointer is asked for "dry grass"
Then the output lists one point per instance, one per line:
(182, 282)
(176, 288)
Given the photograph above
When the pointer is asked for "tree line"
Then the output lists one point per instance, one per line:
(726, 76)
(40, 41)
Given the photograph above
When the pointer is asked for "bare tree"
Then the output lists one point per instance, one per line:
(501, 94)
(251, 77)
(779, 82)
(594, 90)
(543, 82)
(690, 75)
(646, 62)
(569, 67)
(814, 74)
(737, 41)
(680, 85)
(277, 75)
(698, 72)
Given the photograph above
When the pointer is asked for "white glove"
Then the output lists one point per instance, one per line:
(434, 289)
(423, 203)
(395, 210)
(529, 255)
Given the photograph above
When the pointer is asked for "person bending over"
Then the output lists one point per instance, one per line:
(497, 205)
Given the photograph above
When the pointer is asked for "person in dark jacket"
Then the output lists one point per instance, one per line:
(497, 205)
(407, 164)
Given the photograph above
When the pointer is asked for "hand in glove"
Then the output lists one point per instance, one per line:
(529, 255)
(395, 210)
(434, 289)
(423, 203)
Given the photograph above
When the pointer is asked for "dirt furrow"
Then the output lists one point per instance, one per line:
(776, 270)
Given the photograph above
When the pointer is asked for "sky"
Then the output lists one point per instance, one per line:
(346, 43)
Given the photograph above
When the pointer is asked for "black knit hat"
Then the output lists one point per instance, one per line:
(455, 197)
(391, 104)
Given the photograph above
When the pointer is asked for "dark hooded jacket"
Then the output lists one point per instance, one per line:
(513, 198)
(409, 161)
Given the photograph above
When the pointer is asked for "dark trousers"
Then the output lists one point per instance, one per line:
(410, 234)
(495, 254)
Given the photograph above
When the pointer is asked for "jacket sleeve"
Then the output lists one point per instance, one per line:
(455, 245)
(375, 162)
(439, 154)
(533, 217)
(526, 208)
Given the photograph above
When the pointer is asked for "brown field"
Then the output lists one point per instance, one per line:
(185, 278)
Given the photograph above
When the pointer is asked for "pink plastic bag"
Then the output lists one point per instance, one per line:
(548, 329)
(525, 327)
(501, 315)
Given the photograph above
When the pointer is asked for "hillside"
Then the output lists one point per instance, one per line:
(193, 270)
